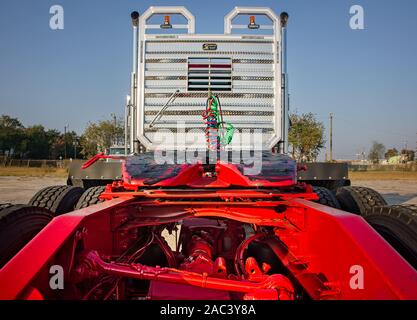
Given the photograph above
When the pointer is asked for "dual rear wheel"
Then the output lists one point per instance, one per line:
(21, 223)
(397, 224)
(64, 199)
(57, 199)
(18, 225)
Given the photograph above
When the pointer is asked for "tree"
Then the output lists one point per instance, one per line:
(376, 152)
(306, 136)
(391, 153)
(11, 135)
(36, 142)
(53, 137)
(57, 147)
(100, 136)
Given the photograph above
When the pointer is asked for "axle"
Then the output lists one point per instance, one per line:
(274, 287)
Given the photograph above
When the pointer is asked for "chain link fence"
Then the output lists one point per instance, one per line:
(29, 163)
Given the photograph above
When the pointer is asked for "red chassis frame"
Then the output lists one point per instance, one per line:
(321, 247)
(319, 241)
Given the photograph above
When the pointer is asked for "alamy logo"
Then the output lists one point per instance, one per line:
(357, 21)
(56, 282)
(56, 22)
(357, 279)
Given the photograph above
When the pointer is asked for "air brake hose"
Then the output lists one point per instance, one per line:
(213, 118)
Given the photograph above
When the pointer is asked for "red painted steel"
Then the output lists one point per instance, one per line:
(318, 246)
(276, 285)
(23, 268)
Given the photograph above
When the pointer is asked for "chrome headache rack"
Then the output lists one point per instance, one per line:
(173, 74)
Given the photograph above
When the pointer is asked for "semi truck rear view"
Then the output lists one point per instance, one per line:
(205, 203)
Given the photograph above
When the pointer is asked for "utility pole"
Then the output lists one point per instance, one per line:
(65, 141)
(331, 136)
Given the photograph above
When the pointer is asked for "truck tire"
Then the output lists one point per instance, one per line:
(57, 199)
(90, 197)
(326, 197)
(18, 225)
(358, 200)
(5, 206)
(398, 226)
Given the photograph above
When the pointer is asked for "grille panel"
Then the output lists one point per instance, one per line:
(241, 72)
(206, 74)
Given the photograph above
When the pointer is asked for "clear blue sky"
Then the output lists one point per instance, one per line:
(367, 78)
